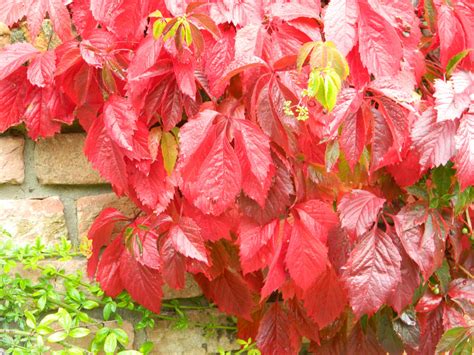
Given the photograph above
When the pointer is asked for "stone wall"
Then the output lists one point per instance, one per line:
(49, 190)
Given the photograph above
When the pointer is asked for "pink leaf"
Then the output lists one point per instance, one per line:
(41, 69)
(13, 56)
(186, 239)
(373, 272)
(340, 21)
(359, 211)
(464, 159)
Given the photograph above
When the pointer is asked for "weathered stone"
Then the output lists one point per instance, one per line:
(61, 161)
(27, 219)
(191, 289)
(89, 207)
(70, 267)
(11, 160)
(193, 340)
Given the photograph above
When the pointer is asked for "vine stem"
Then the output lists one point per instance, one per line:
(15, 332)
(466, 271)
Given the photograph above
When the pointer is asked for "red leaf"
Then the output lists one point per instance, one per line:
(100, 233)
(461, 291)
(340, 21)
(451, 33)
(218, 180)
(253, 150)
(410, 280)
(373, 272)
(431, 327)
(428, 302)
(184, 73)
(379, 45)
(326, 299)
(108, 269)
(434, 141)
(40, 114)
(14, 56)
(59, 15)
(305, 326)
(278, 200)
(120, 120)
(41, 69)
(106, 157)
(142, 283)
(464, 159)
(452, 96)
(154, 189)
(359, 211)
(353, 137)
(173, 266)
(256, 244)
(217, 59)
(277, 274)
(423, 235)
(276, 334)
(307, 255)
(12, 99)
(186, 238)
(231, 294)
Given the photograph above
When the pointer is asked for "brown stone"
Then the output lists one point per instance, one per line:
(11, 160)
(89, 207)
(61, 161)
(28, 219)
(193, 340)
(191, 289)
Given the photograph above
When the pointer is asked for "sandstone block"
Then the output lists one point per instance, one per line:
(29, 218)
(11, 160)
(193, 340)
(89, 207)
(61, 161)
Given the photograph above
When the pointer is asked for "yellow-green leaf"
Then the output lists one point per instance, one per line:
(169, 150)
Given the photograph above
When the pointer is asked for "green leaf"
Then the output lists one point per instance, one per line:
(57, 337)
(451, 338)
(407, 328)
(64, 319)
(74, 294)
(386, 336)
(169, 150)
(79, 332)
(129, 352)
(108, 310)
(444, 276)
(41, 302)
(110, 343)
(90, 304)
(30, 320)
(455, 60)
(464, 347)
(442, 179)
(146, 347)
(101, 334)
(44, 330)
(122, 336)
(462, 199)
(158, 28)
